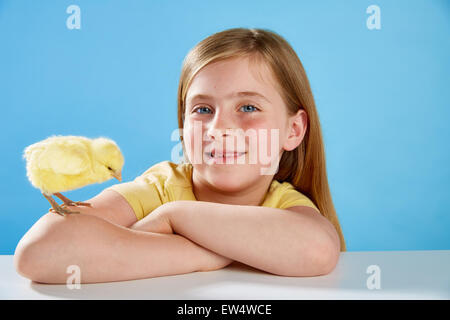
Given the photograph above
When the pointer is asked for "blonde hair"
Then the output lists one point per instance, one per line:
(304, 167)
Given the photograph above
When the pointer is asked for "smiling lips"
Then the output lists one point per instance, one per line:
(224, 154)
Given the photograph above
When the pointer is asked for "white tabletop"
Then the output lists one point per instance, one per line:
(401, 274)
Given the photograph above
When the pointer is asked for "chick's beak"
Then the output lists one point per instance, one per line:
(117, 175)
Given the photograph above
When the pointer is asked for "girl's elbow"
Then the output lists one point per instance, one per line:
(28, 262)
(31, 256)
(317, 260)
(25, 262)
(326, 258)
(22, 260)
(328, 251)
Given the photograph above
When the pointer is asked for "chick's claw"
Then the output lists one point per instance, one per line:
(62, 211)
(56, 207)
(68, 202)
(76, 203)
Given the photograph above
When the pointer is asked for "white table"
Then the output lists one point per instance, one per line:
(403, 275)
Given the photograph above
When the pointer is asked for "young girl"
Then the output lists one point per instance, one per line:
(219, 205)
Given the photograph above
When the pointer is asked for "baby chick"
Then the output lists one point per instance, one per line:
(62, 163)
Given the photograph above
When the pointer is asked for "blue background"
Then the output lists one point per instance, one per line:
(382, 96)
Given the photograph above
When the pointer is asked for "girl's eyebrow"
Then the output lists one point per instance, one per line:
(236, 94)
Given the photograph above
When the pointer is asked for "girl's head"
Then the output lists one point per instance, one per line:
(279, 109)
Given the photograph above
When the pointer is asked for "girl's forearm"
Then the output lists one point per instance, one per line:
(275, 240)
(105, 252)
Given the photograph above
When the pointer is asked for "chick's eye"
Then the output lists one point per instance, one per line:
(109, 168)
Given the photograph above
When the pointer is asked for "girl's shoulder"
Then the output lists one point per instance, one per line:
(284, 195)
(168, 172)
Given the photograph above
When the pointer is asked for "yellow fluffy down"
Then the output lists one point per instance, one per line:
(61, 163)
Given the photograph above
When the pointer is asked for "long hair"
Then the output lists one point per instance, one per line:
(304, 167)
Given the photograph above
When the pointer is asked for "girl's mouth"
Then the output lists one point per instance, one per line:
(224, 155)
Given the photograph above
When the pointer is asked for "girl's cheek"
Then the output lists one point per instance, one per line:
(193, 136)
(264, 142)
(188, 138)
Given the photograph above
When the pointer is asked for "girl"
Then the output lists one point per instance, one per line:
(219, 205)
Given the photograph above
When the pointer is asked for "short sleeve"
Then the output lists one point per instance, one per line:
(284, 195)
(292, 198)
(143, 195)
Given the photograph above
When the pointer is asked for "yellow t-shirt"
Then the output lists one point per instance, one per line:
(167, 181)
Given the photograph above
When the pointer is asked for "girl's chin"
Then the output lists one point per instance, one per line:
(227, 184)
(229, 178)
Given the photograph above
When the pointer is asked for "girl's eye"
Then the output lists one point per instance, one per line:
(246, 109)
(252, 107)
(201, 108)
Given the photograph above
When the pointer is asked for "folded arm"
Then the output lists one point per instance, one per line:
(99, 241)
(297, 242)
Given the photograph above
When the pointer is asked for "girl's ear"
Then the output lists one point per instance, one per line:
(297, 128)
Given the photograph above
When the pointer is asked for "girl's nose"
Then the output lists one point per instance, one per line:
(221, 126)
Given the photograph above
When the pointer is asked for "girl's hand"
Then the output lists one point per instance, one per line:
(156, 221)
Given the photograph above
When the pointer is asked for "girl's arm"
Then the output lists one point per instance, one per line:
(105, 251)
(111, 206)
(297, 242)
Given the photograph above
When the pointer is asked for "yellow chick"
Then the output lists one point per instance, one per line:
(62, 163)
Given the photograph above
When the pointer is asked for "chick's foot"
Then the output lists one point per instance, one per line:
(62, 211)
(68, 202)
(56, 207)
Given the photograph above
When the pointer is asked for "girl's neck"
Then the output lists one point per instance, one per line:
(252, 195)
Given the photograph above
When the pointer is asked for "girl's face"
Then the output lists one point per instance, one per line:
(236, 124)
